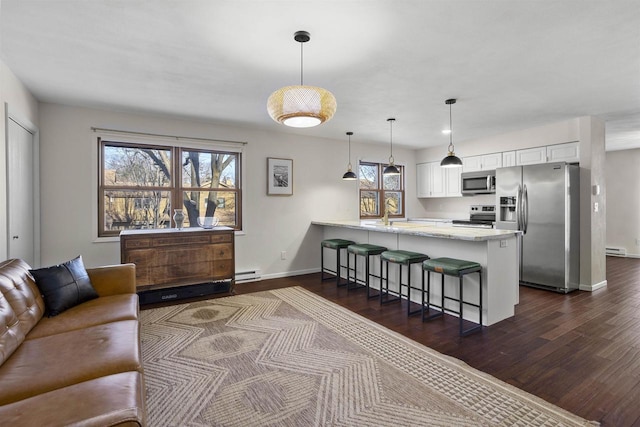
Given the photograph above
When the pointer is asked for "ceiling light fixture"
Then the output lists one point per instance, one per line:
(391, 169)
(301, 106)
(451, 161)
(349, 175)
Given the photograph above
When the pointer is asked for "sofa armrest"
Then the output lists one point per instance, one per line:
(113, 279)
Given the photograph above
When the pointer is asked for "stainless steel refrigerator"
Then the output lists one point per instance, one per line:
(543, 202)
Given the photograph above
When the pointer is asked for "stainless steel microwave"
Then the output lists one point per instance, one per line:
(479, 182)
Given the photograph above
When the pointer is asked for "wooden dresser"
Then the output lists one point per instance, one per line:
(170, 258)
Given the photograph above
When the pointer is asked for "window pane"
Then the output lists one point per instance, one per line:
(201, 169)
(134, 209)
(393, 199)
(220, 204)
(369, 203)
(368, 176)
(392, 182)
(143, 167)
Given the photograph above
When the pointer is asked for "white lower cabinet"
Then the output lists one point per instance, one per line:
(436, 181)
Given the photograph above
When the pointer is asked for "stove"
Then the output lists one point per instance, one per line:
(480, 216)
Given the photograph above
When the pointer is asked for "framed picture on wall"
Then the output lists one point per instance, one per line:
(279, 177)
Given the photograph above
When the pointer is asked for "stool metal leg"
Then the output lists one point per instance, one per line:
(369, 296)
(338, 269)
(479, 325)
(322, 263)
(409, 311)
(441, 312)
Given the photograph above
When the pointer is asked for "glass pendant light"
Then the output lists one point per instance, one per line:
(451, 161)
(391, 169)
(301, 106)
(349, 175)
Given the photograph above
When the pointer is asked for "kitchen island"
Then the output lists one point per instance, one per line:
(495, 250)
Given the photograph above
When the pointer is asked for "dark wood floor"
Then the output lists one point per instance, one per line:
(580, 351)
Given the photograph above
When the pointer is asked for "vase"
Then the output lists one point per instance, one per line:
(178, 218)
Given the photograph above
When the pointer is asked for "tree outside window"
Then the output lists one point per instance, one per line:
(140, 185)
(376, 188)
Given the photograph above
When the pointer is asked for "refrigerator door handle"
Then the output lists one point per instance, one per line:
(525, 210)
(519, 208)
(488, 182)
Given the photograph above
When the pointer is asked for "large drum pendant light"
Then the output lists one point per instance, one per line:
(301, 106)
(451, 161)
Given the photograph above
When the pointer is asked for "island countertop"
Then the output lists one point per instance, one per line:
(417, 229)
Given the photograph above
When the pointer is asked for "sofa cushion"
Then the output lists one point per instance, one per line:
(95, 312)
(111, 400)
(49, 363)
(21, 306)
(64, 286)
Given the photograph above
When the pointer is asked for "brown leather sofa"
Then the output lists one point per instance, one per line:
(81, 367)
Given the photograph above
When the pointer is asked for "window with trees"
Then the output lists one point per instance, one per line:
(376, 189)
(140, 185)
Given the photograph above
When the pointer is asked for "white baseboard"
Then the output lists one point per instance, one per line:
(290, 273)
(592, 288)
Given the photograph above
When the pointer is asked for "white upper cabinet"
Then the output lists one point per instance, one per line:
(568, 152)
(423, 181)
(484, 162)
(453, 181)
(436, 181)
(508, 159)
(531, 156)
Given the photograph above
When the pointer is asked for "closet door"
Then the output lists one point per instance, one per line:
(21, 193)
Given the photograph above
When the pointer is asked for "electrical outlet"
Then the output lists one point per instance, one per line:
(503, 243)
(283, 255)
(595, 207)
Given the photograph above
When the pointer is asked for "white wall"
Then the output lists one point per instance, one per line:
(623, 200)
(271, 224)
(19, 101)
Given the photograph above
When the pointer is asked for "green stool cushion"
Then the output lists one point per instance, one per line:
(403, 257)
(365, 249)
(337, 243)
(451, 266)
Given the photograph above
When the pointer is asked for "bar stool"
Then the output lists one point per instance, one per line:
(456, 268)
(400, 258)
(366, 250)
(338, 245)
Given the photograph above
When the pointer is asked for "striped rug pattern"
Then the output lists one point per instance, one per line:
(288, 357)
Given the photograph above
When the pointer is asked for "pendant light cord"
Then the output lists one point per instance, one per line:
(301, 62)
(391, 138)
(349, 151)
(450, 131)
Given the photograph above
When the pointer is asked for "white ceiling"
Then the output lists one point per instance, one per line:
(511, 64)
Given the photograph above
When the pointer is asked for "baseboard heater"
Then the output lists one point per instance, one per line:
(153, 296)
(248, 276)
(615, 251)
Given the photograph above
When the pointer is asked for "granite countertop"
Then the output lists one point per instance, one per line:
(417, 229)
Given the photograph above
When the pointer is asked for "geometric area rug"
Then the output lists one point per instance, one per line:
(288, 357)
